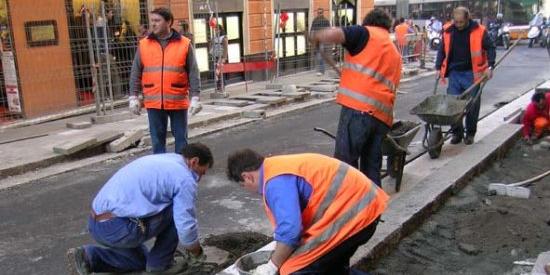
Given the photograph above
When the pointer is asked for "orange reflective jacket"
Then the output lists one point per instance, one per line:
(401, 32)
(370, 79)
(343, 202)
(164, 80)
(479, 56)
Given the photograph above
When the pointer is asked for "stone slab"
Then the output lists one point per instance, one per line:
(274, 86)
(217, 95)
(111, 118)
(229, 102)
(108, 136)
(75, 145)
(293, 95)
(263, 99)
(323, 88)
(254, 114)
(128, 139)
(79, 125)
(145, 141)
(544, 87)
(215, 255)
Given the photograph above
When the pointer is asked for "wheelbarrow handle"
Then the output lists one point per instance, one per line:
(319, 129)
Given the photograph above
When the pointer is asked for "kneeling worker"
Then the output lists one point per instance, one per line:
(536, 119)
(322, 209)
(153, 196)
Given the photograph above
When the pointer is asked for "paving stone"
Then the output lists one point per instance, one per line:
(293, 95)
(254, 114)
(263, 99)
(79, 125)
(544, 87)
(128, 139)
(469, 249)
(108, 137)
(545, 145)
(217, 95)
(274, 86)
(145, 141)
(215, 255)
(75, 145)
(323, 88)
(230, 102)
(112, 117)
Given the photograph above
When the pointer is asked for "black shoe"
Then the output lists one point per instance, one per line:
(469, 139)
(456, 139)
(76, 262)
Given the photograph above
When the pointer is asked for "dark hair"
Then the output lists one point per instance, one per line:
(537, 97)
(402, 20)
(164, 13)
(198, 150)
(222, 30)
(377, 18)
(245, 160)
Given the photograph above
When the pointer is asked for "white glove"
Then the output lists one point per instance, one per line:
(266, 269)
(134, 105)
(195, 106)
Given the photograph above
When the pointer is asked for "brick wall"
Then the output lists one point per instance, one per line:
(180, 9)
(366, 7)
(259, 36)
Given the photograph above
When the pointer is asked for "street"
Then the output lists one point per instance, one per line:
(39, 221)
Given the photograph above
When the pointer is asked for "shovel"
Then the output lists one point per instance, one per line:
(517, 190)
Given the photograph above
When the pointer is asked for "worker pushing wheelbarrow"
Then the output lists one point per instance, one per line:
(441, 110)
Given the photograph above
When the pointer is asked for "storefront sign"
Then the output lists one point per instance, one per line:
(10, 80)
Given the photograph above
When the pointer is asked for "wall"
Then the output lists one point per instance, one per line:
(45, 73)
(259, 36)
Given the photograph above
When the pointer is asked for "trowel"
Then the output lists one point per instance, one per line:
(517, 190)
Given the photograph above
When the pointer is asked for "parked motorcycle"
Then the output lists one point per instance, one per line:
(434, 39)
(536, 30)
(500, 34)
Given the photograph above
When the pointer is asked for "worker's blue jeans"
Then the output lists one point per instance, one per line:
(319, 59)
(459, 81)
(360, 136)
(123, 240)
(158, 122)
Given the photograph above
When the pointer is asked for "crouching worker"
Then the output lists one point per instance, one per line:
(153, 196)
(322, 209)
(536, 119)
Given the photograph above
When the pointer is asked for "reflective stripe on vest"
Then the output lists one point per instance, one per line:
(166, 96)
(478, 55)
(343, 202)
(370, 78)
(165, 68)
(370, 72)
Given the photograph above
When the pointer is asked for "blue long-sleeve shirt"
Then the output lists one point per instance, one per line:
(287, 196)
(147, 186)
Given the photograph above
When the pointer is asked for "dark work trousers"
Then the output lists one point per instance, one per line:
(337, 260)
(458, 83)
(158, 123)
(360, 136)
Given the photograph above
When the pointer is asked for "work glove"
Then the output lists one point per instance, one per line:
(266, 269)
(193, 259)
(195, 106)
(134, 105)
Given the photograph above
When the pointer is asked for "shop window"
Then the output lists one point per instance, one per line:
(301, 22)
(291, 40)
(202, 59)
(41, 33)
(233, 28)
(200, 30)
(301, 45)
(234, 53)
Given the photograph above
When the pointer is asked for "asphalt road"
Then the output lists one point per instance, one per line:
(39, 221)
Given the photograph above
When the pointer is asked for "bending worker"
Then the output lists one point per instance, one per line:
(166, 70)
(466, 54)
(153, 196)
(536, 119)
(370, 76)
(322, 209)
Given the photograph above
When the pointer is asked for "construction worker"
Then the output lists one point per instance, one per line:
(401, 32)
(166, 70)
(153, 196)
(369, 81)
(320, 22)
(466, 54)
(322, 209)
(536, 119)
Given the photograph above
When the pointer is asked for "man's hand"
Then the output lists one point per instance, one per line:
(489, 73)
(194, 257)
(195, 106)
(134, 105)
(266, 269)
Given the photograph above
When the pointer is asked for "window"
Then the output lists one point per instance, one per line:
(200, 32)
(291, 40)
(41, 33)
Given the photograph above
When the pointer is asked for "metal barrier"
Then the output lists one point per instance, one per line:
(412, 48)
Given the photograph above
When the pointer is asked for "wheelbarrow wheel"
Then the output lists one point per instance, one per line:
(399, 166)
(434, 139)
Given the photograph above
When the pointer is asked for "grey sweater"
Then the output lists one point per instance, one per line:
(191, 68)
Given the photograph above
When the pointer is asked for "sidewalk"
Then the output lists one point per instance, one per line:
(29, 148)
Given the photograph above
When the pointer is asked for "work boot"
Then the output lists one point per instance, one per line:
(177, 266)
(456, 139)
(469, 139)
(76, 262)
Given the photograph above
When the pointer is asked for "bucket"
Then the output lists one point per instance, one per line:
(247, 263)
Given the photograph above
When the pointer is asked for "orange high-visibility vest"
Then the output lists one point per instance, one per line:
(401, 32)
(164, 80)
(370, 79)
(479, 56)
(343, 202)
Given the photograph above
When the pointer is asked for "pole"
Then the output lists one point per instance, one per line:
(93, 67)
(277, 45)
(99, 65)
(218, 39)
(107, 57)
(266, 74)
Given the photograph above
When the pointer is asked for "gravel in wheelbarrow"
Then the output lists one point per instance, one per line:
(440, 109)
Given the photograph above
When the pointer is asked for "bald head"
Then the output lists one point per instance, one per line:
(461, 17)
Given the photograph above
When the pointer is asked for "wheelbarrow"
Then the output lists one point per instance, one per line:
(441, 110)
(394, 146)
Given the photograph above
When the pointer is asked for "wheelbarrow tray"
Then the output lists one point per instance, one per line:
(441, 109)
(402, 133)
